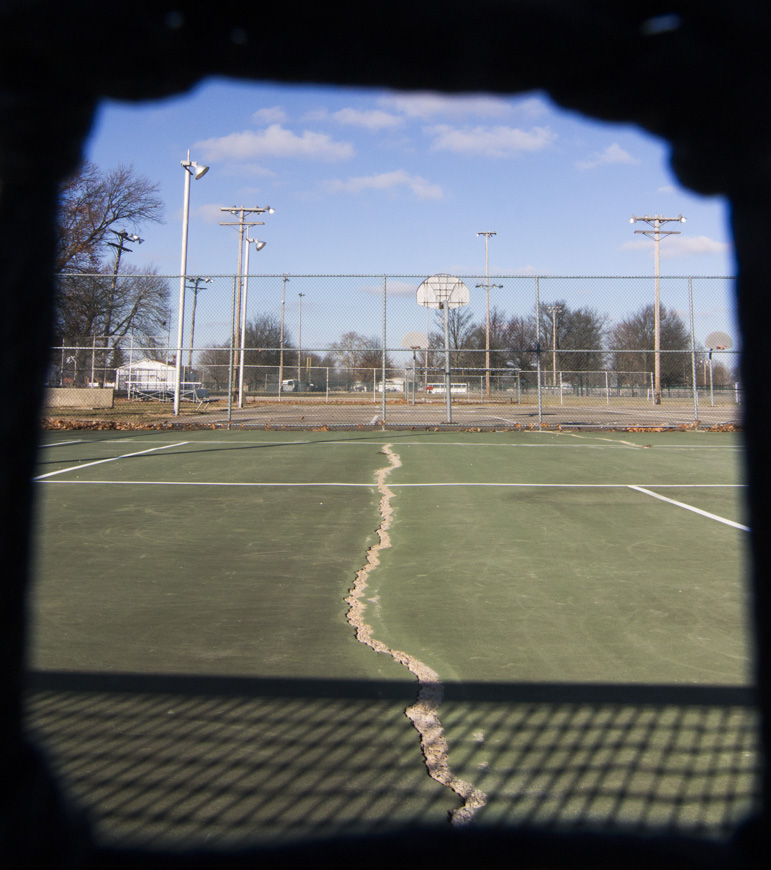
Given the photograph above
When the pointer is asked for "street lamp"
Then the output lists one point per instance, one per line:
(487, 309)
(192, 170)
(258, 246)
(195, 289)
(281, 340)
(655, 222)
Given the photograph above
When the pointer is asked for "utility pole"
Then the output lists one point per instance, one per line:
(242, 224)
(195, 288)
(656, 233)
(487, 309)
(120, 247)
(553, 309)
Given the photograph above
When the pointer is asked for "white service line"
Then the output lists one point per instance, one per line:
(111, 459)
(426, 485)
(61, 443)
(689, 507)
(224, 484)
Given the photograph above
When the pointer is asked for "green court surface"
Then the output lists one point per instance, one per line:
(575, 601)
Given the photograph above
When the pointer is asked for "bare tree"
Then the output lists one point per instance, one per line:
(355, 351)
(262, 343)
(100, 312)
(91, 204)
(632, 344)
(89, 305)
(579, 331)
(519, 341)
(463, 338)
(214, 364)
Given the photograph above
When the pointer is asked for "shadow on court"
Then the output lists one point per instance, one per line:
(180, 761)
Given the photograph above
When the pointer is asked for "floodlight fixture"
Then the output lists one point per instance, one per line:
(193, 168)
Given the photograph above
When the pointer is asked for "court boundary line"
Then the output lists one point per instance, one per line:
(109, 459)
(689, 507)
(247, 483)
(47, 444)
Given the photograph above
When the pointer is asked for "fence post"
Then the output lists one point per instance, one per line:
(538, 346)
(383, 357)
(231, 354)
(693, 354)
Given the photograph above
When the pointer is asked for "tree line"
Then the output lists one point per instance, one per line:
(101, 301)
(577, 340)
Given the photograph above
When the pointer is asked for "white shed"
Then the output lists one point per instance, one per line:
(146, 375)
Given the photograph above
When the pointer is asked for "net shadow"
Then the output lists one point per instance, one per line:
(172, 762)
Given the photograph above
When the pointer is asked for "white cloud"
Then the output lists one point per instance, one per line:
(613, 154)
(372, 119)
(209, 213)
(667, 188)
(490, 141)
(533, 107)
(395, 288)
(272, 115)
(275, 141)
(416, 184)
(687, 246)
(428, 105)
(672, 247)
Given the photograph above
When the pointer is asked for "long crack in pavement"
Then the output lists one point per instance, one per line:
(423, 713)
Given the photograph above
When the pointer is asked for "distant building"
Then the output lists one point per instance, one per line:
(145, 376)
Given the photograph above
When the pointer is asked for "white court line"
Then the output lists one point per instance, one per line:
(62, 443)
(201, 483)
(689, 507)
(399, 485)
(111, 459)
(355, 442)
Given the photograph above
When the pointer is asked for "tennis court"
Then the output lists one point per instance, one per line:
(250, 637)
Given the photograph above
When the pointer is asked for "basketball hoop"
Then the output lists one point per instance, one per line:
(445, 292)
(440, 291)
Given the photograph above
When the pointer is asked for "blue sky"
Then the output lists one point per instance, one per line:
(373, 182)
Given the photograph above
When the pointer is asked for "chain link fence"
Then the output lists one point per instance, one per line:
(358, 350)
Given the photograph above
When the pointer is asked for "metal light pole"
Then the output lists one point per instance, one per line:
(487, 310)
(656, 221)
(553, 309)
(281, 339)
(195, 289)
(258, 246)
(299, 338)
(192, 170)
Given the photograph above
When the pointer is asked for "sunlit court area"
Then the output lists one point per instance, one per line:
(257, 637)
